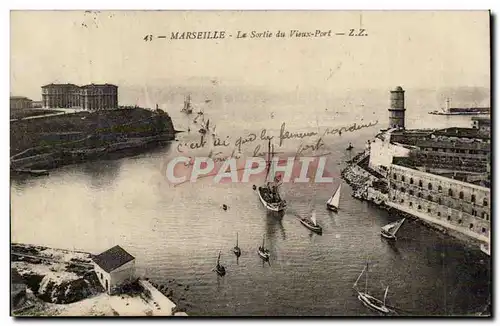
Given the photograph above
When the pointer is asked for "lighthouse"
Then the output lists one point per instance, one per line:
(397, 109)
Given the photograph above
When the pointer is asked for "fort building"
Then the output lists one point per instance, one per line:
(461, 206)
(441, 176)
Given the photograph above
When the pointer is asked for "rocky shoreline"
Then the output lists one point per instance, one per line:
(51, 142)
(54, 275)
(61, 282)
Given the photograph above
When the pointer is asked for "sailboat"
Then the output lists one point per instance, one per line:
(349, 147)
(236, 249)
(311, 224)
(368, 300)
(389, 231)
(204, 128)
(263, 252)
(187, 105)
(269, 193)
(221, 270)
(334, 201)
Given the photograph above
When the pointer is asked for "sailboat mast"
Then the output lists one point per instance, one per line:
(263, 242)
(218, 259)
(272, 174)
(366, 284)
(268, 159)
(361, 274)
(385, 295)
(236, 239)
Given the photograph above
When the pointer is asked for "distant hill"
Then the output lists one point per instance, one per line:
(165, 93)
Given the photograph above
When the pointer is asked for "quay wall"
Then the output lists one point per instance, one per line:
(361, 181)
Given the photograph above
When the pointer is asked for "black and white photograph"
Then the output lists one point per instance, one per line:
(226, 163)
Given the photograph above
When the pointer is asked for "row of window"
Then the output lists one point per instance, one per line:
(452, 150)
(439, 201)
(429, 197)
(440, 189)
(484, 215)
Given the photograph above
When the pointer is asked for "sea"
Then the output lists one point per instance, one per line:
(177, 231)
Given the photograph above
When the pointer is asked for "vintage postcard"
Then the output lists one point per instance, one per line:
(250, 163)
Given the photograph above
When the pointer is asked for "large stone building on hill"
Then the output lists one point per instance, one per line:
(88, 97)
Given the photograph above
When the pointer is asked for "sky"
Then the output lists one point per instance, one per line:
(415, 49)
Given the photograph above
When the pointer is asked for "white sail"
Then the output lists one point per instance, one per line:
(335, 199)
(400, 223)
(313, 217)
(389, 226)
(393, 227)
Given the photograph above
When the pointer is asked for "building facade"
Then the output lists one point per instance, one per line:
(457, 205)
(454, 149)
(20, 102)
(99, 97)
(60, 96)
(88, 97)
(114, 268)
(383, 151)
(481, 123)
(37, 104)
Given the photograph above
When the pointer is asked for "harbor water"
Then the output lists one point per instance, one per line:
(175, 233)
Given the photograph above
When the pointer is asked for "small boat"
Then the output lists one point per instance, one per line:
(389, 231)
(188, 109)
(349, 147)
(311, 224)
(368, 300)
(204, 129)
(221, 270)
(263, 252)
(35, 173)
(236, 249)
(333, 203)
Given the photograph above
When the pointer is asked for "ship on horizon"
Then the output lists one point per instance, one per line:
(461, 111)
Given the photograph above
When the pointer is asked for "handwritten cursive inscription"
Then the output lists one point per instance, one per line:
(265, 136)
(218, 142)
(192, 145)
(312, 147)
(284, 134)
(351, 128)
(243, 140)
